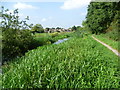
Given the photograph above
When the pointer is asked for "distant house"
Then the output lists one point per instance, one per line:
(52, 30)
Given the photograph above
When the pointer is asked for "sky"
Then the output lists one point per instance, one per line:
(51, 13)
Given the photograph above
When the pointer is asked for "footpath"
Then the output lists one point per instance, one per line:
(109, 47)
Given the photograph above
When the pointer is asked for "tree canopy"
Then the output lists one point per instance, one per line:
(37, 28)
(74, 28)
(100, 15)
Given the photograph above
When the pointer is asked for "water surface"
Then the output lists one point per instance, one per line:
(60, 41)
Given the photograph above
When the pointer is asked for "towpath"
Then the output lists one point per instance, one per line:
(109, 47)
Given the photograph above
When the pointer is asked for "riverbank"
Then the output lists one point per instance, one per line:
(76, 63)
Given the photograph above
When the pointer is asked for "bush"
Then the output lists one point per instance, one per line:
(41, 40)
(113, 31)
(15, 43)
(113, 35)
(17, 39)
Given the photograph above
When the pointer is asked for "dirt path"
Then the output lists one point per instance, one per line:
(109, 47)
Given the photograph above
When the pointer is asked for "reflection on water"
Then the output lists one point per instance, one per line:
(60, 41)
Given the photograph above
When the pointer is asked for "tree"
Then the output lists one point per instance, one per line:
(74, 28)
(11, 20)
(53, 28)
(100, 15)
(58, 28)
(78, 27)
(37, 28)
(47, 29)
(15, 40)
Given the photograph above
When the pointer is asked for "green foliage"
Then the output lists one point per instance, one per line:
(16, 39)
(15, 42)
(113, 35)
(0, 79)
(45, 38)
(100, 15)
(54, 34)
(37, 28)
(76, 63)
(58, 28)
(47, 29)
(114, 30)
(60, 36)
(80, 32)
(74, 28)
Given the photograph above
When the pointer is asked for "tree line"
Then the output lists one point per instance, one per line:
(100, 16)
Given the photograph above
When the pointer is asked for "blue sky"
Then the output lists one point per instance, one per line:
(63, 14)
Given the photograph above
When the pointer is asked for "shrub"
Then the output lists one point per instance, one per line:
(15, 42)
(16, 38)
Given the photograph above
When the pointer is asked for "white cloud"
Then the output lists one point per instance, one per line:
(23, 6)
(44, 19)
(72, 4)
(21, 14)
(83, 13)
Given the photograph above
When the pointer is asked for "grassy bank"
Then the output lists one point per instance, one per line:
(76, 63)
(110, 42)
(48, 38)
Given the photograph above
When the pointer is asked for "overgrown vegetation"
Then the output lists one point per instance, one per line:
(45, 38)
(76, 63)
(49, 38)
(80, 62)
(113, 31)
(16, 38)
(19, 37)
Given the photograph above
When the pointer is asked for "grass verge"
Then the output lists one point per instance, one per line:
(112, 43)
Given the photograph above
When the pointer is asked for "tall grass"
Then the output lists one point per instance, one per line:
(76, 63)
(48, 38)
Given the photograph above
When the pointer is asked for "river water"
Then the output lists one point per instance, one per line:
(60, 41)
